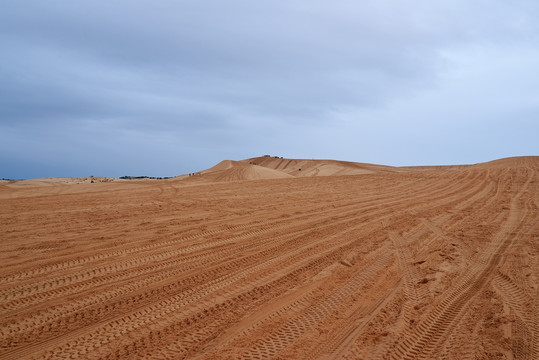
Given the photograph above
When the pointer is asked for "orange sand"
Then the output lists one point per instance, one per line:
(257, 259)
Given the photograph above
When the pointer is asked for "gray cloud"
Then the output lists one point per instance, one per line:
(195, 82)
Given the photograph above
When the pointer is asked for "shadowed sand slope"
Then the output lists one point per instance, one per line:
(306, 168)
(229, 170)
(438, 263)
(277, 168)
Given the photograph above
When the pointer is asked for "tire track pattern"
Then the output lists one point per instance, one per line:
(293, 329)
(420, 343)
(314, 252)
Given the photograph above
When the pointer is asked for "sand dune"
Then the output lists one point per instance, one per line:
(276, 168)
(511, 162)
(229, 170)
(56, 181)
(342, 261)
(305, 168)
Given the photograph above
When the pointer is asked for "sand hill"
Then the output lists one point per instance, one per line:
(272, 167)
(306, 168)
(266, 167)
(229, 170)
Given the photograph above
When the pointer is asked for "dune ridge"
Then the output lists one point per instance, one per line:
(274, 167)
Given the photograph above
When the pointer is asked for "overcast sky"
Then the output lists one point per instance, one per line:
(162, 88)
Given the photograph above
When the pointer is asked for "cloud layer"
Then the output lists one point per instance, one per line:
(162, 88)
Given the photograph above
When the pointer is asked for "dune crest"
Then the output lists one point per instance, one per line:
(238, 171)
(266, 167)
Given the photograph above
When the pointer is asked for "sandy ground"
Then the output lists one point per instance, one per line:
(260, 260)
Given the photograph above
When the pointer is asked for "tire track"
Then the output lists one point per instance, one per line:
(525, 309)
(130, 250)
(293, 329)
(195, 262)
(427, 336)
(413, 293)
(163, 256)
(315, 254)
(161, 293)
(349, 331)
(93, 274)
(165, 310)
